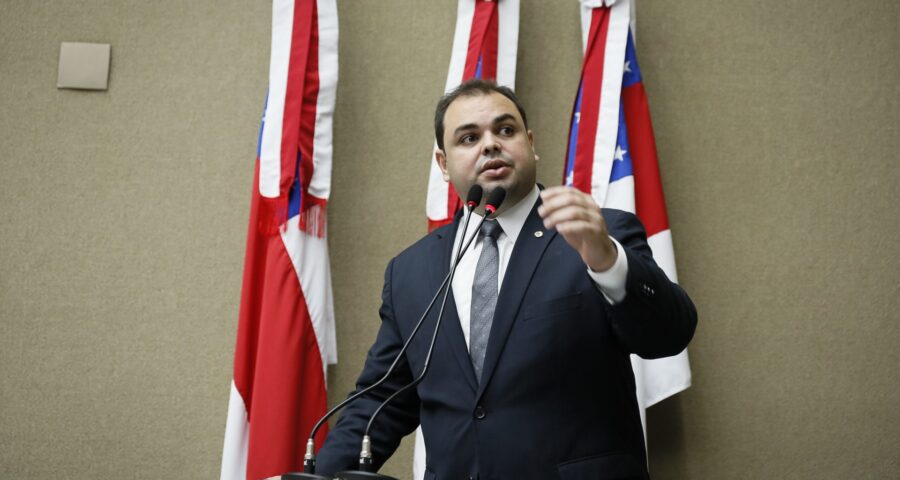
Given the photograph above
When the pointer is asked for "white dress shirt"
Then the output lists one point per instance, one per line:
(610, 282)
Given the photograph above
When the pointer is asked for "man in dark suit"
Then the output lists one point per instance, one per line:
(530, 376)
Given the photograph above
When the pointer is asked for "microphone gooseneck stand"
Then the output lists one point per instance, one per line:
(366, 464)
(473, 199)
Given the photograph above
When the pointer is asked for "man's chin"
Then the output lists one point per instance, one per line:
(493, 181)
(490, 186)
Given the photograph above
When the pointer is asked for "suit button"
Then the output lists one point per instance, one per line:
(647, 290)
(479, 412)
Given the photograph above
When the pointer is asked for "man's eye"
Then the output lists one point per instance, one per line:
(507, 130)
(467, 139)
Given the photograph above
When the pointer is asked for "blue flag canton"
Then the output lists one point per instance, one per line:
(573, 137)
(622, 166)
(632, 72)
(295, 198)
(262, 126)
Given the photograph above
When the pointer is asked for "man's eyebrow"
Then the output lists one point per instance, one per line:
(468, 126)
(503, 118)
(498, 119)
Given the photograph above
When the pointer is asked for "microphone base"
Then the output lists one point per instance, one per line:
(359, 475)
(304, 476)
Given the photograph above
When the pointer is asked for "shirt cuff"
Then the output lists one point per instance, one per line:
(612, 282)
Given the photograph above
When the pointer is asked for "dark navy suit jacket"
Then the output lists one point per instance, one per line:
(557, 395)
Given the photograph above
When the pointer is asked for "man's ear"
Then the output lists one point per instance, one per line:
(531, 142)
(441, 160)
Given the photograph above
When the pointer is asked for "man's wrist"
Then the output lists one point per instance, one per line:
(607, 259)
(611, 282)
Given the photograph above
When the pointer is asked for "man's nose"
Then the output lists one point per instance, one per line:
(490, 144)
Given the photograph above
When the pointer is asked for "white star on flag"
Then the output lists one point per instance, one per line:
(620, 154)
(628, 66)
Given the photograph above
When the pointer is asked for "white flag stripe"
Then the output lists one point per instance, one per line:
(508, 42)
(664, 253)
(585, 25)
(320, 183)
(438, 189)
(270, 143)
(465, 12)
(610, 92)
(309, 255)
(621, 194)
(237, 438)
(662, 377)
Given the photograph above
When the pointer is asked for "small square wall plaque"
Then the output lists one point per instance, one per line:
(83, 66)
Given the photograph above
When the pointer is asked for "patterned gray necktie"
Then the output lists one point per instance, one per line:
(484, 294)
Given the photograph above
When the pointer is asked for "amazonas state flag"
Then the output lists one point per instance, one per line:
(285, 336)
(612, 156)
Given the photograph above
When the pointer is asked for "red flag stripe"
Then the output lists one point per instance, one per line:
(294, 92)
(483, 22)
(650, 203)
(453, 204)
(312, 221)
(490, 45)
(592, 82)
(308, 109)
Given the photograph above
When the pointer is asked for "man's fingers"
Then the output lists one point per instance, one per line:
(578, 227)
(556, 196)
(565, 198)
(568, 213)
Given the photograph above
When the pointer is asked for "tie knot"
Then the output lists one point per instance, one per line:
(491, 228)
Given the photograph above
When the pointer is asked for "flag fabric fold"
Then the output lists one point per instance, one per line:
(612, 156)
(285, 337)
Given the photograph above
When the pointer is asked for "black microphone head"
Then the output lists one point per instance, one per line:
(473, 199)
(495, 198)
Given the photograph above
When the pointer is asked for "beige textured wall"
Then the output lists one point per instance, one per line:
(123, 220)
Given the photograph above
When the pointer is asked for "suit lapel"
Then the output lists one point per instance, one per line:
(526, 255)
(450, 328)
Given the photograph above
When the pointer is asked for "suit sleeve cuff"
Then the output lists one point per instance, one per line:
(612, 282)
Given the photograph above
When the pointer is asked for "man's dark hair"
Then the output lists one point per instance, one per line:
(471, 88)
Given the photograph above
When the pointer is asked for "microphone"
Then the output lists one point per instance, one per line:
(495, 198)
(473, 199)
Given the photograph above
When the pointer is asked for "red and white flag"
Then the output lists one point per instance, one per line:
(484, 46)
(612, 156)
(285, 334)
